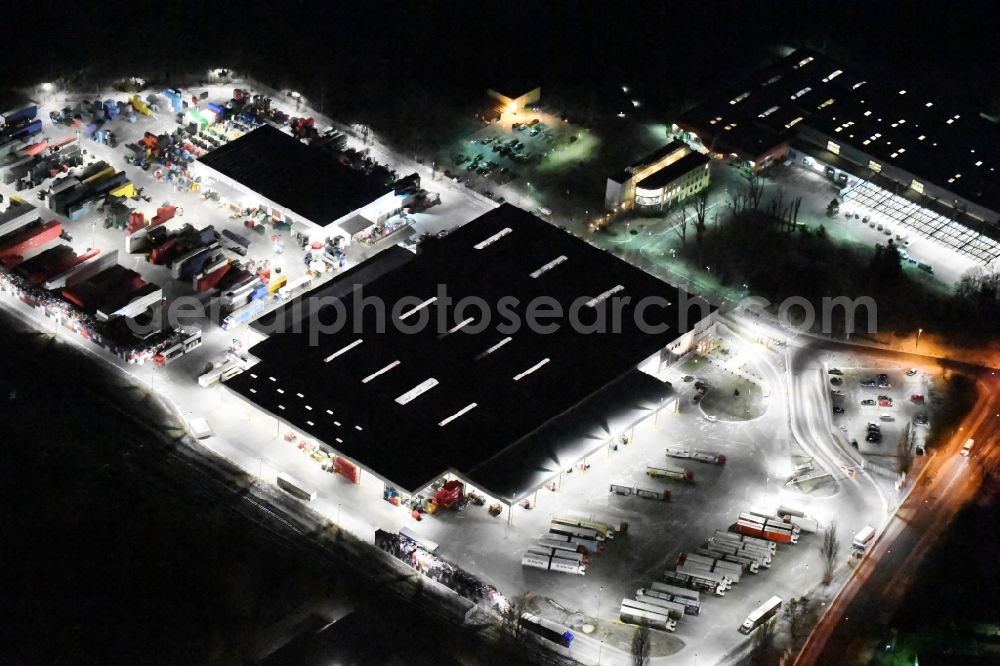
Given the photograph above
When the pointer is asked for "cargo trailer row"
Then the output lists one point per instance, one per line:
(689, 599)
(554, 560)
(627, 489)
(646, 615)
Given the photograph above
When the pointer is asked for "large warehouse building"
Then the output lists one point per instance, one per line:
(318, 195)
(502, 407)
(931, 166)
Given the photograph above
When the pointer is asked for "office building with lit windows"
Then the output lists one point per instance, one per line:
(659, 180)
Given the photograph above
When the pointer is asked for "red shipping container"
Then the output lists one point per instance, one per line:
(346, 468)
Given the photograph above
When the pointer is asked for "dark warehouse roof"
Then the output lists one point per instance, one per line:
(288, 172)
(475, 400)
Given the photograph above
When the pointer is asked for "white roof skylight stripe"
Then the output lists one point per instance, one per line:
(417, 391)
(417, 308)
(380, 372)
(549, 266)
(522, 375)
(493, 239)
(494, 348)
(462, 324)
(343, 350)
(465, 410)
(600, 298)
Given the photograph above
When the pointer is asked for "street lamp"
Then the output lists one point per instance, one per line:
(916, 345)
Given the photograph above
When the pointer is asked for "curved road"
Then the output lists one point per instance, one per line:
(859, 614)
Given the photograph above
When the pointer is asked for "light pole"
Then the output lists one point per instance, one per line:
(599, 594)
(916, 345)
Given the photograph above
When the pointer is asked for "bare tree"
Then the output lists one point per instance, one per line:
(755, 190)
(641, 646)
(830, 550)
(763, 644)
(510, 617)
(800, 614)
(682, 224)
(700, 214)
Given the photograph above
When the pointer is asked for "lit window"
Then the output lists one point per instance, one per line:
(739, 98)
(874, 166)
(794, 121)
(929, 104)
(765, 114)
(833, 147)
(825, 104)
(917, 186)
(902, 92)
(832, 76)
(804, 62)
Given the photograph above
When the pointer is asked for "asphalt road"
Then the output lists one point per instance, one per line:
(859, 614)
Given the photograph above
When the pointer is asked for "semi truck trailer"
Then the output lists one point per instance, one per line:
(637, 612)
(743, 538)
(760, 615)
(691, 607)
(668, 472)
(696, 582)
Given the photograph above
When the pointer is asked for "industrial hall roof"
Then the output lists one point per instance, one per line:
(470, 393)
(286, 171)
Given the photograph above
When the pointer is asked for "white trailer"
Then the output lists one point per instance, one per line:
(578, 544)
(696, 582)
(295, 488)
(678, 452)
(697, 571)
(607, 530)
(691, 606)
(538, 560)
(761, 557)
(760, 615)
(748, 563)
(676, 591)
(744, 538)
(621, 488)
(805, 523)
(673, 610)
(670, 472)
(863, 539)
(659, 495)
(732, 575)
(572, 556)
(222, 372)
(636, 612)
(576, 532)
(712, 457)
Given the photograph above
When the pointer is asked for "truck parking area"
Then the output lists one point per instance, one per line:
(661, 506)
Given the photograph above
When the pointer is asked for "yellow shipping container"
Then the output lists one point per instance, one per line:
(277, 284)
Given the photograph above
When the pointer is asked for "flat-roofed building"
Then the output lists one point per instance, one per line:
(660, 179)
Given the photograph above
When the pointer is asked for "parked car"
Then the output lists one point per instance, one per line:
(873, 427)
(836, 381)
(838, 410)
(920, 419)
(873, 437)
(886, 417)
(911, 372)
(687, 378)
(868, 403)
(917, 398)
(884, 401)
(834, 371)
(869, 383)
